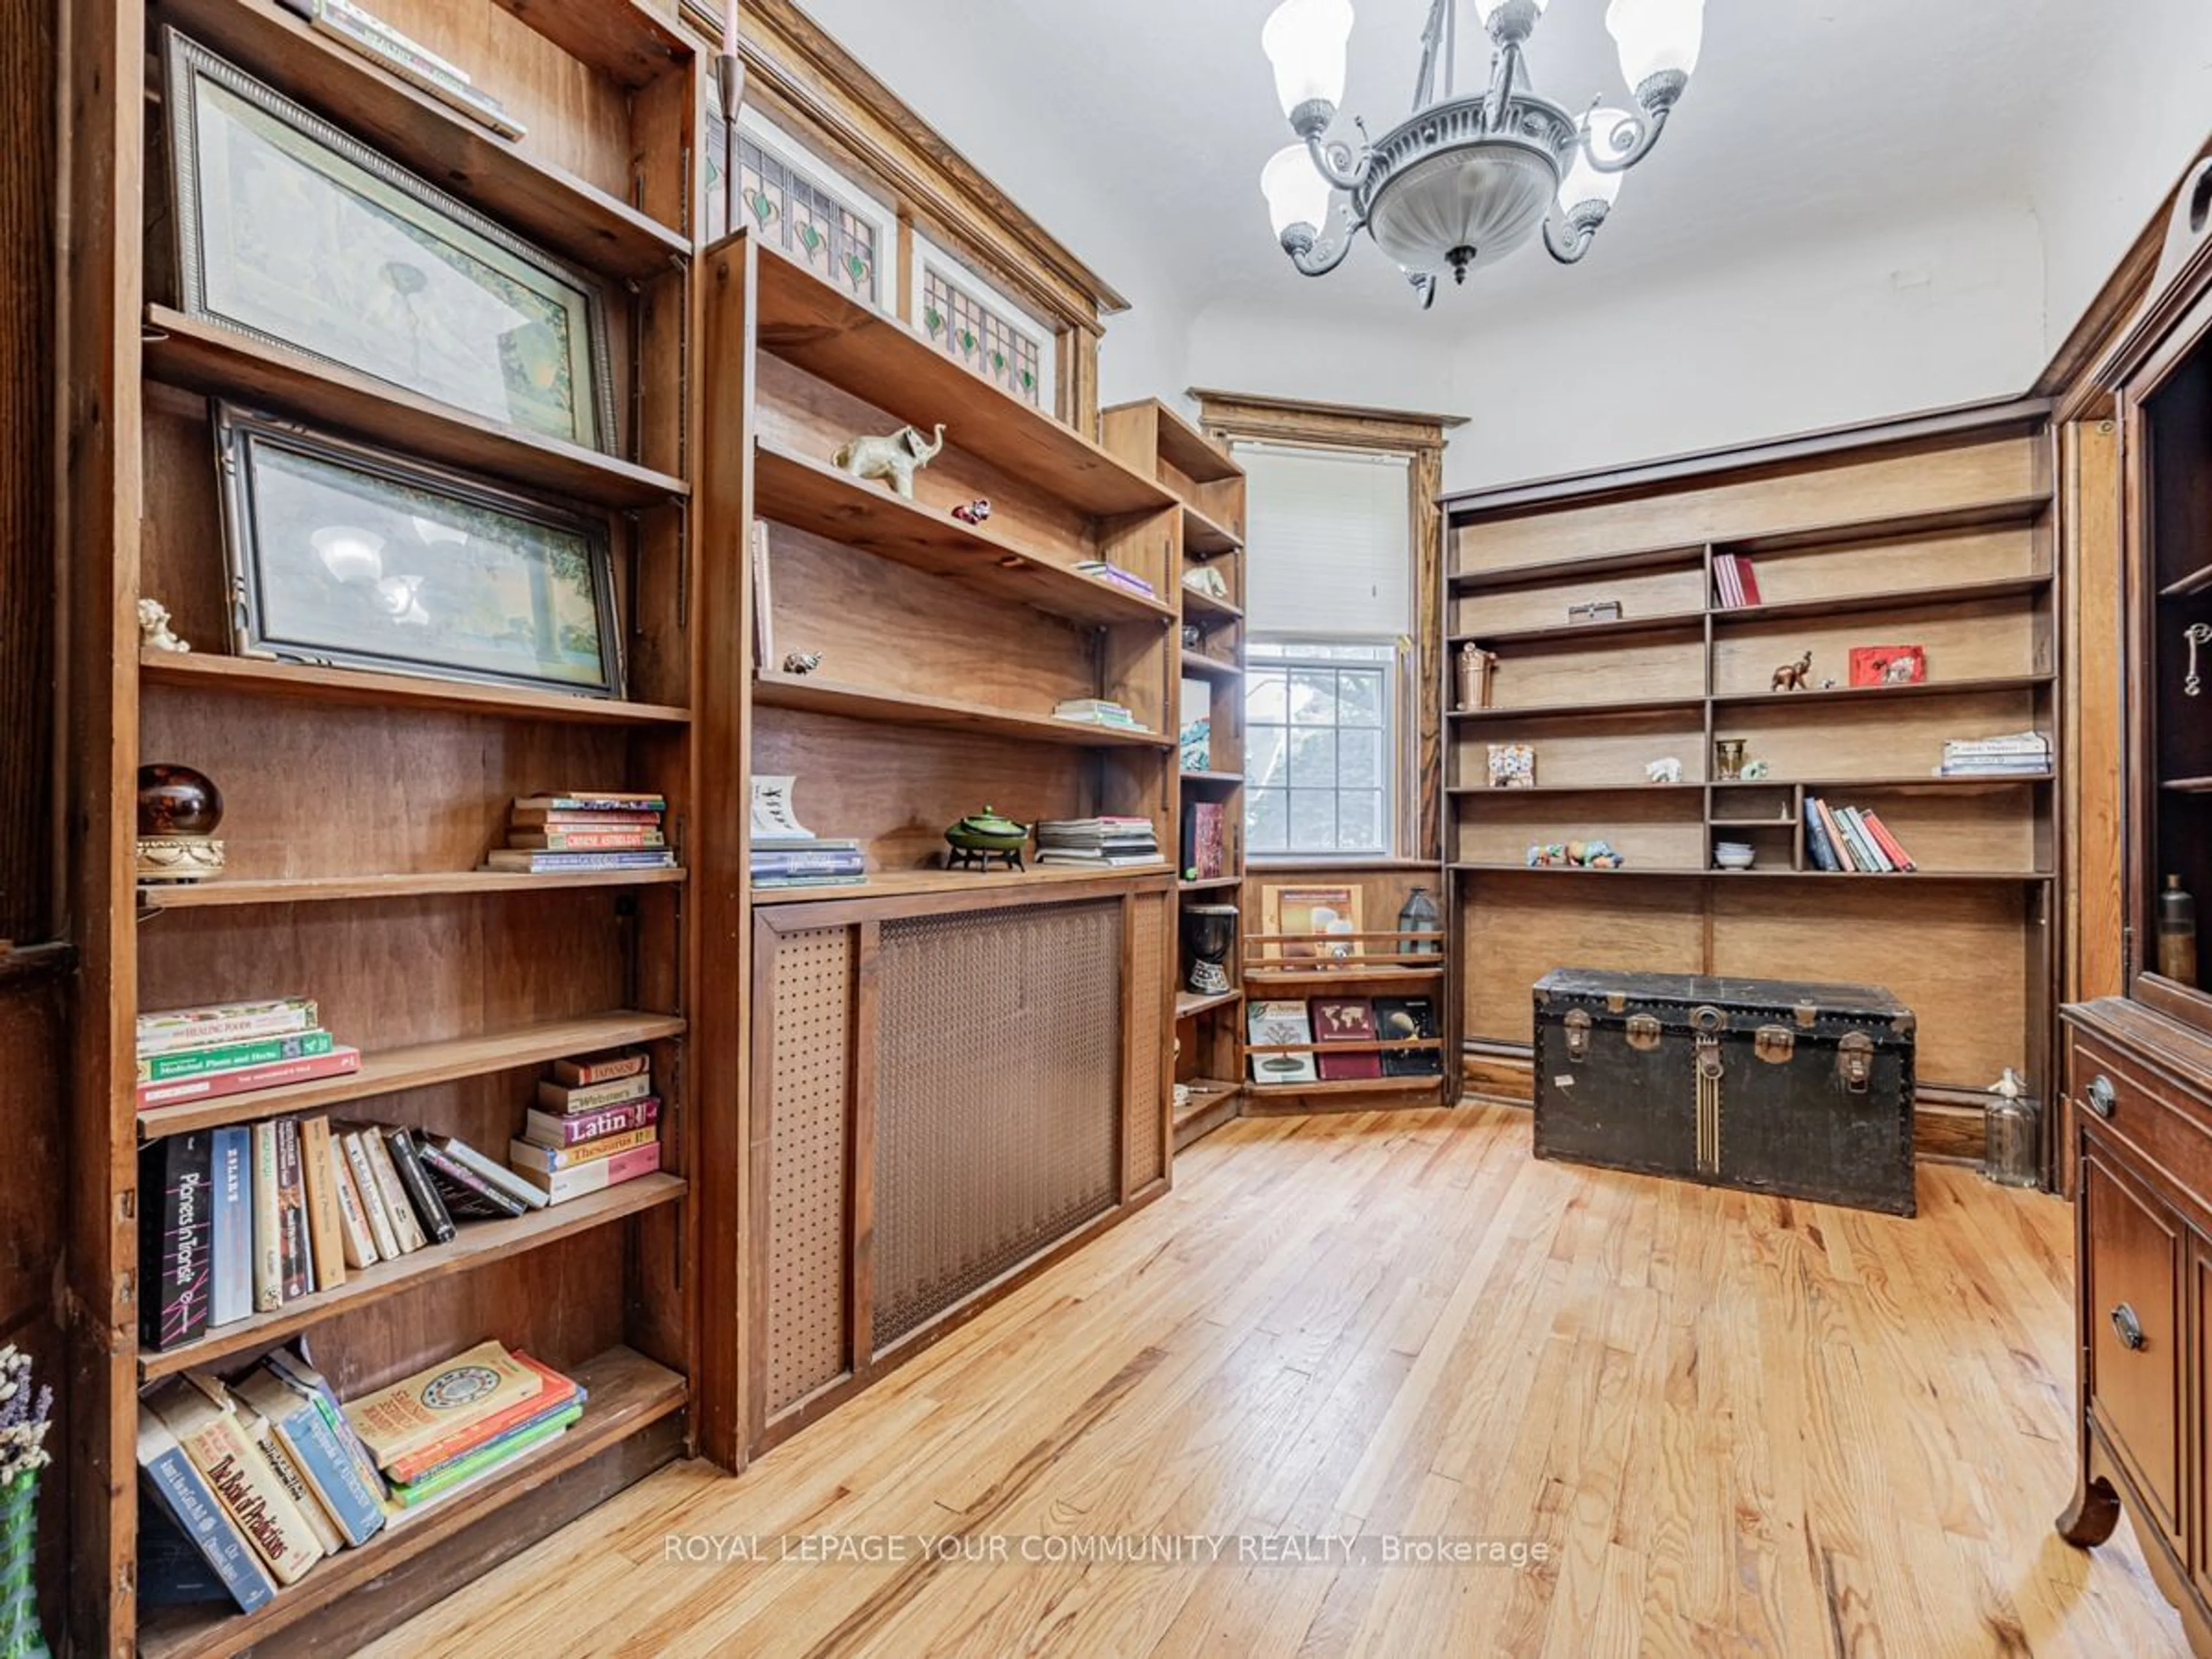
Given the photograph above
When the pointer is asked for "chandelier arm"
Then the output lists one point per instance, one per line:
(1569, 243)
(1314, 256)
(1641, 133)
(1335, 163)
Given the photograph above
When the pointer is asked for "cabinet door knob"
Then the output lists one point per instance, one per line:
(2102, 1095)
(2129, 1327)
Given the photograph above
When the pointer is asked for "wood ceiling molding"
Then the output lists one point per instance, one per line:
(809, 82)
(1232, 414)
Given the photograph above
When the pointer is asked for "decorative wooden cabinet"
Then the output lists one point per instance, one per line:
(2139, 1067)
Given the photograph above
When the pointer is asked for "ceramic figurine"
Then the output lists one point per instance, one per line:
(1753, 771)
(1827, 685)
(980, 837)
(802, 662)
(1793, 676)
(1209, 581)
(974, 512)
(896, 457)
(1668, 771)
(153, 631)
(1476, 665)
(180, 810)
(1575, 855)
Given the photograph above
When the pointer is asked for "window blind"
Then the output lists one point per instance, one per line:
(1329, 542)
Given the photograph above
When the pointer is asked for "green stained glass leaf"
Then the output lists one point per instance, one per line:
(763, 210)
(997, 362)
(968, 342)
(933, 320)
(812, 237)
(1028, 381)
(857, 268)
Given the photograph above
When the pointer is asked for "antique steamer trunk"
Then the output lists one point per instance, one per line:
(1802, 1090)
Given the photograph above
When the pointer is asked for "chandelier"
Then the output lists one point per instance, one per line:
(1465, 179)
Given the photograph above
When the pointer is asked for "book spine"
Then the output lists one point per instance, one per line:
(429, 1209)
(231, 1296)
(268, 1222)
(372, 1195)
(582, 1074)
(593, 800)
(1846, 862)
(299, 1267)
(466, 1191)
(599, 820)
(539, 864)
(597, 1176)
(546, 1160)
(278, 1457)
(325, 1236)
(1747, 578)
(1863, 852)
(233, 1056)
(1891, 846)
(203, 1028)
(182, 1491)
(176, 1238)
(360, 1240)
(490, 1457)
(330, 1471)
(587, 840)
(557, 1097)
(558, 1394)
(406, 1226)
(553, 1129)
(220, 1085)
(248, 1490)
(1816, 838)
(497, 1175)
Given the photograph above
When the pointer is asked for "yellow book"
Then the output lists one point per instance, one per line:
(243, 1482)
(450, 1397)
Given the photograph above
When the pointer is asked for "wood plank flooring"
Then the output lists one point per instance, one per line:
(1734, 1425)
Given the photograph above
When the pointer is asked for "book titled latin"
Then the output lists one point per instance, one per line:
(217, 1085)
(531, 1159)
(168, 1030)
(597, 1176)
(240, 1479)
(183, 1491)
(447, 1399)
(558, 1129)
(316, 1451)
(176, 1238)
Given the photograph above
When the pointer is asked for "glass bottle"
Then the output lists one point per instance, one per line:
(2012, 1134)
(1420, 915)
(2177, 934)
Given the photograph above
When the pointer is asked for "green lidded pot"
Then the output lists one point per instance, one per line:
(988, 832)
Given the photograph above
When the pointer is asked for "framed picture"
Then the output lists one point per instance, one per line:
(1326, 912)
(345, 556)
(1888, 664)
(292, 232)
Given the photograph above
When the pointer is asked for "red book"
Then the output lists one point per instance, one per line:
(1348, 1068)
(557, 1390)
(1890, 844)
(248, 1079)
(539, 817)
(1747, 578)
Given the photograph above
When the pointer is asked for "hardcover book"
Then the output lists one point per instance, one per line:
(325, 1463)
(534, 1160)
(1344, 1019)
(231, 1056)
(231, 1295)
(521, 861)
(496, 1176)
(422, 1197)
(1408, 1020)
(467, 1195)
(447, 1399)
(279, 1458)
(358, 1239)
(325, 1231)
(176, 1238)
(268, 1222)
(1817, 847)
(243, 1484)
(592, 800)
(218, 1085)
(1277, 1024)
(602, 1068)
(587, 840)
(596, 1176)
(291, 1364)
(560, 1097)
(557, 1129)
(372, 1195)
(167, 1032)
(297, 1263)
(406, 1227)
(183, 1493)
(559, 1395)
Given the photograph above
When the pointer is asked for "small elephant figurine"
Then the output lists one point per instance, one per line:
(896, 458)
(1793, 676)
(1668, 771)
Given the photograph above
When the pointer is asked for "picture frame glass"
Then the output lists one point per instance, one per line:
(294, 233)
(1327, 913)
(342, 556)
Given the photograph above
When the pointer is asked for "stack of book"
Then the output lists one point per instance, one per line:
(1736, 584)
(1106, 843)
(806, 861)
(1128, 579)
(582, 830)
(2023, 754)
(1846, 839)
(246, 1219)
(1097, 711)
(431, 1439)
(1341, 1039)
(232, 1049)
(596, 1125)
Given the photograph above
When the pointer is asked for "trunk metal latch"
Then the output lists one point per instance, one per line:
(1642, 1032)
(1774, 1044)
(1577, 1024)
(1855, 1060)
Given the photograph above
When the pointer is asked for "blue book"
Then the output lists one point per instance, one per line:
(295, 1417)
(233, 1294)
(1816, 838)
(291, 1364)
(178, 1486)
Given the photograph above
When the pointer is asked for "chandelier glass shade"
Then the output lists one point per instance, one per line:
(1467, 179)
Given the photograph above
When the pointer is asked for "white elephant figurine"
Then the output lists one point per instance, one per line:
(896, 457)
(1668, 771)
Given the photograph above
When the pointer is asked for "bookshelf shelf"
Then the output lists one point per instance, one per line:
(254, 677)
(418, 1066)
(1191, 1004)
(473, 1245)
(1185, 448)
(1211, 883)
(207, 357)
(774, 690)
(548, 205)
(1202, 539)
(628, 1393)
(797, 489)
(805, 321)
(1557, 570)
(1677, 871)
(1214, 780)
(1890, 599)
(1204, 1092)
(329, 889)
(1206, 609)
(1590, 711)
(1308, 978)
(1965, 687)
(1365, 1085)
(1679, 621)
(923, 884)
(1198, 663)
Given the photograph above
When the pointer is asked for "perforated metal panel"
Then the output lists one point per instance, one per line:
(1142, 1137)
(998, 1074)
(811, 1011)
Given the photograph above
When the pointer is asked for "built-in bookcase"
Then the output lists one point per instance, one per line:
(1944, 543)
(1158, 441)
(360, 805)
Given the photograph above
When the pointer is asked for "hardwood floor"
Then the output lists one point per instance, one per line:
(1735, 1424)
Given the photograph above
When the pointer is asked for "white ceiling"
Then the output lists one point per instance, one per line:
(1147, 122)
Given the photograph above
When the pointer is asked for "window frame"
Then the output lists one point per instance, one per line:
(1311, 654)
(928, 256)
(798, 158)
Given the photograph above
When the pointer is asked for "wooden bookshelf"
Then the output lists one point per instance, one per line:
(360, 804)
(1156, 440)
(1947, 544)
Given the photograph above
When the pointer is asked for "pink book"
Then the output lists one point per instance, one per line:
(249, 1078)
(597, 1176)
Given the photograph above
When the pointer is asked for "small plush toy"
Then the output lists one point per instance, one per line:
(974, 512)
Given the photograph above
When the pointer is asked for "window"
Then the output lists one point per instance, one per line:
(1317, 747)
(779, 191)
(965, 320)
